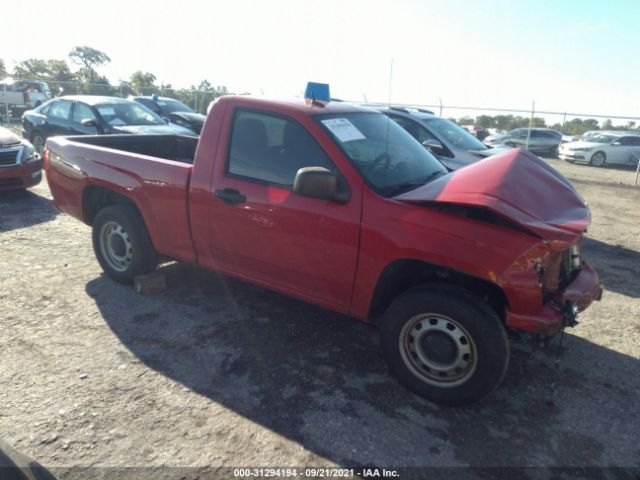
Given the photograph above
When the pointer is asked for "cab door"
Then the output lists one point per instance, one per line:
(260, 230)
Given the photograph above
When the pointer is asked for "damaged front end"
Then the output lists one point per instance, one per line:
(550, 283)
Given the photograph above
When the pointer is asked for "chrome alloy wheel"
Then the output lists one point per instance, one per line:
(116, 246)
(438, 350)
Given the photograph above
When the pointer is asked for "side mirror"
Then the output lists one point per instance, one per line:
(88, 122)
(318, 182)
(434, 146)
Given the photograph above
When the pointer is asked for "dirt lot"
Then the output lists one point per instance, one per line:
(214, 372)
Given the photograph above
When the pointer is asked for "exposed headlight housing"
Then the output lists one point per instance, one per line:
(29, 154)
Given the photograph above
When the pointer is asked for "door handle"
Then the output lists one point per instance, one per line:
(230, 196)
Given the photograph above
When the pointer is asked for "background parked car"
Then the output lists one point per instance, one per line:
(454, 146)
(24, 94)
(479, 132)
(603, 147)
(91, 115)
(37, 92)
(20, 165)
(543, 141)
(174, 111)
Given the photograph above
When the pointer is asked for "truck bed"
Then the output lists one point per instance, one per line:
(153, 171)
(169, 147)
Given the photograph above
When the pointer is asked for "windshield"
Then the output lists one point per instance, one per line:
(598, 138)
(128, 113)
(391, 166)
(170, 106)
(453, 134)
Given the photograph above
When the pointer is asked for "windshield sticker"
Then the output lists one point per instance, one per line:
(343, 129)
(106, 111)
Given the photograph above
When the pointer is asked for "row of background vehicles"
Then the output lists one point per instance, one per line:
(20, 162)
(452, 144)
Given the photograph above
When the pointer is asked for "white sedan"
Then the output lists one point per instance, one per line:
(598, 148)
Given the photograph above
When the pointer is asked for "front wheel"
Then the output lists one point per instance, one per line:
(598, 159)
(445, 344)
(122, 244)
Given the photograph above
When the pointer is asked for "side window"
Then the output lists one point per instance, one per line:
(629, 141)
(416, 131)
(272, 149)
(60, 110)
(82, 112)
(151, 105)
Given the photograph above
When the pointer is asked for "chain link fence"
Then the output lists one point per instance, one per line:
(196, 99)
(593, 147)
(611, 154)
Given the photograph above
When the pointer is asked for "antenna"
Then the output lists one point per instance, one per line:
(386, 144)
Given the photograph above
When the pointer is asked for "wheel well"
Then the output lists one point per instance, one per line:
(34, 132)
(97, 198)
(401, 275)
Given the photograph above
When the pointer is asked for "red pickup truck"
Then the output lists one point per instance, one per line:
(340, 207)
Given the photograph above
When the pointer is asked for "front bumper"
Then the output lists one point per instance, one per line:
(580, 293)
(573, 155)
(23, 175)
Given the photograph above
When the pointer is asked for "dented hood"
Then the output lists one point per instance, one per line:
(517, 186)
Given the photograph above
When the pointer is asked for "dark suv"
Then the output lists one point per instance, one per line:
(173, 111)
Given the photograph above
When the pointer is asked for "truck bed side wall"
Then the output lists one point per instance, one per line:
(157, 187)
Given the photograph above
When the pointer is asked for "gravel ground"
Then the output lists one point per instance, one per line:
(214, 372)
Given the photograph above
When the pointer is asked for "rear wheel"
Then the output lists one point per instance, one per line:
(553, 152)
(122, 244)
(445, 344)
(598, 159)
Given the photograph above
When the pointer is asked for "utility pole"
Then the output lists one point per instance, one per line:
(533, 110)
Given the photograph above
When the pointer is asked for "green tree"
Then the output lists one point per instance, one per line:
(486, 121)
(143, 83)
(3, 69)
(88, 59)
(590, 124)
(607, 124)
(32, 69)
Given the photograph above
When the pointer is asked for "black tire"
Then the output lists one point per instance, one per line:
(598, 159)
(476, 328)
(122, 244)
(38, 140)
(553, 152)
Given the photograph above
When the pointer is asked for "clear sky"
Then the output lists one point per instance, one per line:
(580, 55)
